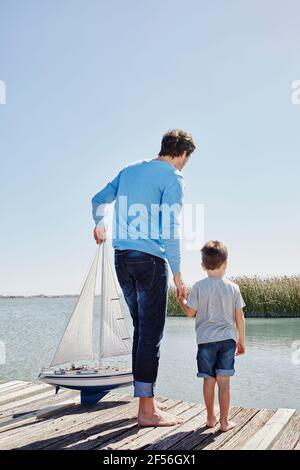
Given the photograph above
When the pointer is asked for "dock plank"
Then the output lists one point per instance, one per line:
(12, 386)
(214, 441)
(11, 383)
(23, 393)
(13, 406)
(99, 429)
(291, 435)
(191, 440)
(242, 435)
(36, 404)
(158, 434)
(135, 432)
(267, 435)
(151, 434)
(33, 417)
(39, 434)
(119, 429)
(297, 447)
(178, 433)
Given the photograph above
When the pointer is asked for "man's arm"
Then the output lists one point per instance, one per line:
(171, 206)
(99, 203)
(240, 325)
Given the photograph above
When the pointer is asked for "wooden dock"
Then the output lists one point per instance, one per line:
(33, 417)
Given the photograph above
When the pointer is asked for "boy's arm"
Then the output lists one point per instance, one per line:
(240, 325)
(190, 305)
(240, 321)
(189, 312)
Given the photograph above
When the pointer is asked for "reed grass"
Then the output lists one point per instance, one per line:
(273, 297)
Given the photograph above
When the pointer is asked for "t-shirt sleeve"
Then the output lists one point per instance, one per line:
(192, 300)
(239, 301)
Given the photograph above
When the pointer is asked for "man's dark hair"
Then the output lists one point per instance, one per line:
(175, 142)
(214, 254)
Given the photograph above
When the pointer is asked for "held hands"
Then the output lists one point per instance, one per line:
(181, 297)
(99, 235)
(181, 289)
(240, 348)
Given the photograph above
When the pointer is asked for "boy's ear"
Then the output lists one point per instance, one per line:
(203, 267)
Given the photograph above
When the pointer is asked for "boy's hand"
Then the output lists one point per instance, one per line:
(240, 348)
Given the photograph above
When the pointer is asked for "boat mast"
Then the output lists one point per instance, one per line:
(103, 306)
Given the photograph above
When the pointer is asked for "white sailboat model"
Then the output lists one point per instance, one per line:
(76, 343)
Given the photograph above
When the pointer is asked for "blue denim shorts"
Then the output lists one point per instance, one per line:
(216, 358)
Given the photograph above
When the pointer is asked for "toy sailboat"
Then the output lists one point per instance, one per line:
(76, 343)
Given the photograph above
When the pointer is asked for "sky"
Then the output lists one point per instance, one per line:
(92, 86)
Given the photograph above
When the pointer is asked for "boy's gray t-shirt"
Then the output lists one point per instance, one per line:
(216, 300)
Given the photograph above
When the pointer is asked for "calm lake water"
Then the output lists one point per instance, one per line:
(267, 376)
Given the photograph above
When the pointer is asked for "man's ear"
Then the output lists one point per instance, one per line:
(203, 267)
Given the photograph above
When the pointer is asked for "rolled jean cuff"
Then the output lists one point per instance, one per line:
(225, 372)
(143, 389)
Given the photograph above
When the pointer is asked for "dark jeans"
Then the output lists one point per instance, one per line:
(144, 281)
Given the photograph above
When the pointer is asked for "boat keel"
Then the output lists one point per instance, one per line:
(90, 398)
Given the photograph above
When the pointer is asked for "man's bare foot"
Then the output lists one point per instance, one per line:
(211, 422)
(158, 418)
(227, 426)
(160, 406)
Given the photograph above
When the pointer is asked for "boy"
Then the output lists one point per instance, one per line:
(220, 329)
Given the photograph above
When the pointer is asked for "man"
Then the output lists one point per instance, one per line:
(143, 245)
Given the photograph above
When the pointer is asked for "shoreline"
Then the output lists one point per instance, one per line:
(170, 313)
(265, 297)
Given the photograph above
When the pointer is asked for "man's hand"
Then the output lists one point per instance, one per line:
(99, 235)
(240, 348)
(181, 289)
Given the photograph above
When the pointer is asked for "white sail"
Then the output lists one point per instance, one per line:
(77, 341)
(114, 336)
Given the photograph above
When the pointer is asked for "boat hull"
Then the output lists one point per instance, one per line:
(92, 386)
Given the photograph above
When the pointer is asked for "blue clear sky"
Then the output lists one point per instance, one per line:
(93, 85)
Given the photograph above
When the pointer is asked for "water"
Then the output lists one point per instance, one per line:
(266, 377)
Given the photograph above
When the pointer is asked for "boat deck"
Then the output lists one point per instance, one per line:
(33, 417)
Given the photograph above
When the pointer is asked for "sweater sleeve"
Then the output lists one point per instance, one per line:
(104, 197)
(171, 206)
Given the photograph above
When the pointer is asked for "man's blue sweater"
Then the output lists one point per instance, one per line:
(149, 198)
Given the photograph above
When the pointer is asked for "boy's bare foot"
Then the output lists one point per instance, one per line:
(160, 406)
(212, 422)
(158, 418)
(227, 426)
